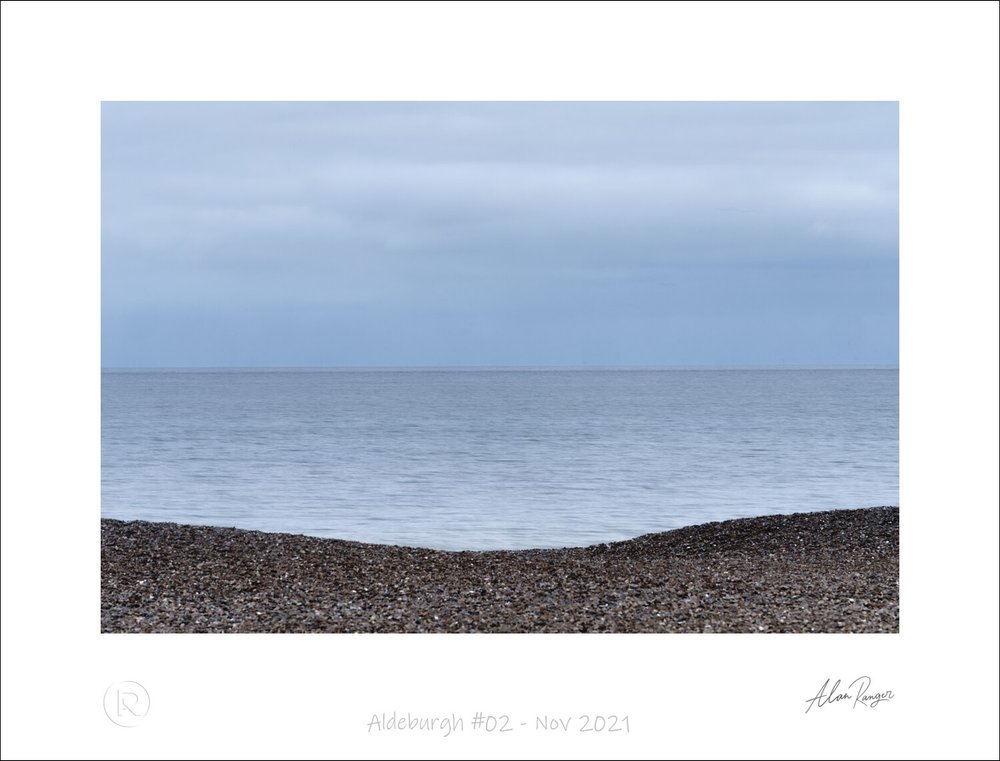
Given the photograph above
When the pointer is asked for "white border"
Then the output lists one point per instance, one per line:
(311, 696)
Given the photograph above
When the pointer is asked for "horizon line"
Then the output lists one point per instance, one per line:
(498, 367)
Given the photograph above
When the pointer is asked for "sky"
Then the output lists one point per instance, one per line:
(384, 234)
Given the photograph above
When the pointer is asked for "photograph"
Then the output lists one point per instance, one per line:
(500, 380)
(500, 367)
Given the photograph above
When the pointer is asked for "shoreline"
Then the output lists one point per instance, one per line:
(831, 571)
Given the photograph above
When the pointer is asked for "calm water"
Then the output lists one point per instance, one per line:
(464, 459)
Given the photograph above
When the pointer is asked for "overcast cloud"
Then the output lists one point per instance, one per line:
(391, 234)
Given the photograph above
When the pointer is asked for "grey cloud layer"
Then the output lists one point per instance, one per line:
(517, 229)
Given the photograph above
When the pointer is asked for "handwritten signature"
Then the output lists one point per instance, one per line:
(857, 693)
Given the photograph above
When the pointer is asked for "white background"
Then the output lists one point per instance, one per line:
(686, 695)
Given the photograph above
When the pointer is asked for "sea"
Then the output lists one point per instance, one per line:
(474, 459)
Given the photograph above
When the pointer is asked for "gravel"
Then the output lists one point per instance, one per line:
(835, 571)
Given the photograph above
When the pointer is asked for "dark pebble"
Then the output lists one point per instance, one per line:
(834, 571)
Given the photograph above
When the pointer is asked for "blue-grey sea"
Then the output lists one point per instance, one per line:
(488, 459)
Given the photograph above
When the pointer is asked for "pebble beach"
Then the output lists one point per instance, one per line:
(834, 571)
